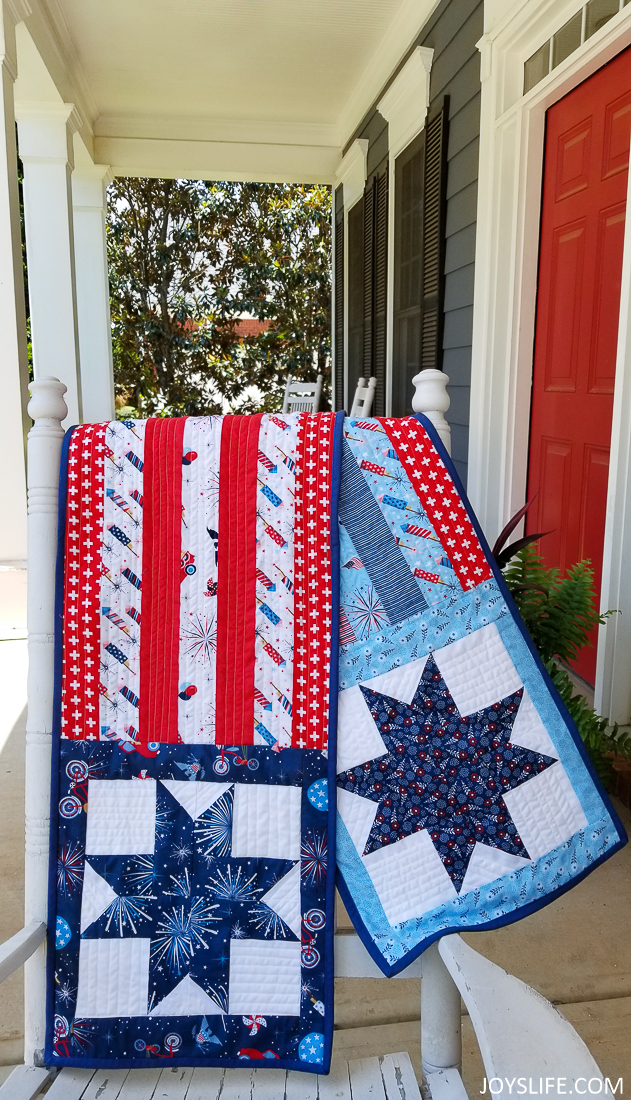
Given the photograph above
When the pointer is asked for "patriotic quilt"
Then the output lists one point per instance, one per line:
(253, 611)
(465, 797)
(192, 841)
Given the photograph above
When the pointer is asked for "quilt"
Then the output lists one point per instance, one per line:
(192, 841)
(465, 797)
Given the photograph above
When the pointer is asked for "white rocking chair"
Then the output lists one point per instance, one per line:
(302, 396)
(364, 397)
(517, 1030)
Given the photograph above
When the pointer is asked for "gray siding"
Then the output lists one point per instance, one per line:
(452, 32)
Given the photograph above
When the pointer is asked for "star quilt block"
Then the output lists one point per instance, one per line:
(465, 797)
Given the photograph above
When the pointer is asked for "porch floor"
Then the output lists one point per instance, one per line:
(576, 951)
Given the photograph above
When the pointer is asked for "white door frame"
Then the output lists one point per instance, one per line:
(509, 204)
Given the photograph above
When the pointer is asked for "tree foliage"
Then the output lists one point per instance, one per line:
(187, 260)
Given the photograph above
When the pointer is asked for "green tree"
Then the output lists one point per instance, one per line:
(187, 259)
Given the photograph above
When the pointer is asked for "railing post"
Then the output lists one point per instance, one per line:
(431, 399)
(47, 408)
(441, 1040)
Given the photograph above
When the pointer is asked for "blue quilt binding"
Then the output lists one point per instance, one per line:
(531, 907)
(226, 1063)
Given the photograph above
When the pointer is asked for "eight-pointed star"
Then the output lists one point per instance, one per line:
(444, 772)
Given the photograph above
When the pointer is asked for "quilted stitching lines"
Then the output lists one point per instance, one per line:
(201, 897)
(444, 772)
(440, 499)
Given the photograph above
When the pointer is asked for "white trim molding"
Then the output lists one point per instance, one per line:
(613, 682)
(404, 106)
(352, 172)
(512, 129)
(220, 160)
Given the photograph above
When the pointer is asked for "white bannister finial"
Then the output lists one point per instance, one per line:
(47, 400)
(431, 399)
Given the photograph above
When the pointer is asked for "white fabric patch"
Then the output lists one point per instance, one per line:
(97, 895)
(529, 731)
(113, 977)
(487, 864)
(187, 999)
(266, 821)
(195, 796)
(284, 899)
(358, 814)
(264, 977)
(358, 738)
(120, 598)
(545, 810)
(409, 877)
(121, 817)
(201, 446)
(400, 683)
(478, 670)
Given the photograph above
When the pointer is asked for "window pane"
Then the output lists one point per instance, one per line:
(599, 12)
(537, 66)
(567, 39)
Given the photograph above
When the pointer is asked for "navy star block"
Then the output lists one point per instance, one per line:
(444, 772)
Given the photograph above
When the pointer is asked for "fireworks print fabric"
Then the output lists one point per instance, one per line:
(191, 875)
(464, 796)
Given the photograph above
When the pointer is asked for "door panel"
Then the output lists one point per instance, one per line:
(578, 301)
(573, 154)
(556, 462)
(602, 364)
(594, 501)
(564, 310)
(616, 144)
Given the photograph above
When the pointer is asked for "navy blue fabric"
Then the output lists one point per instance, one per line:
(192, 898)
(444, 772)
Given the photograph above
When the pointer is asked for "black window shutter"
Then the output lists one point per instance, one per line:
(338, 305)
(380, 285)
(355, 297)
(369, 279)
(434, 237)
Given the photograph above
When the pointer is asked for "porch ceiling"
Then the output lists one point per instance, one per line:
(147, 75)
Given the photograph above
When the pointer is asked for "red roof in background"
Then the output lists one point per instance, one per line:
(249, 326)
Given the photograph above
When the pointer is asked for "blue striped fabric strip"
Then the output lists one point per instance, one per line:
(374, 542)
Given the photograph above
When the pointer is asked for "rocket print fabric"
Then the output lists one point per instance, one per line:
(191, 909)
(465, 798)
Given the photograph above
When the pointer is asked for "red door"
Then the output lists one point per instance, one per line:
(580, 265)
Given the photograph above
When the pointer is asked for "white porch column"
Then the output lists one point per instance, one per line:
(45, 144)
(93, 294)
(13, 357)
